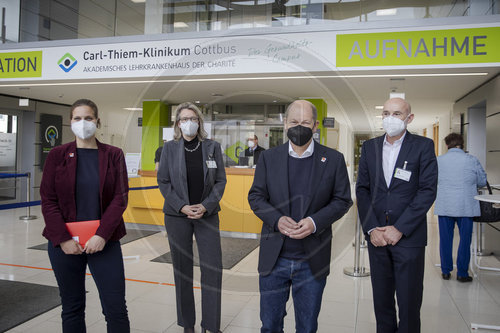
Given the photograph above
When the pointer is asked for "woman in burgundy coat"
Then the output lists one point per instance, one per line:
(86, 180)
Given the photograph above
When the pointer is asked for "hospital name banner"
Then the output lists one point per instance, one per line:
(270, 53)
(288, 53)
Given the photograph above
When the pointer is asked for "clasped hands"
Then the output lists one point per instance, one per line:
(296, 230)
(382, 236)
(194, 211)
(93, 245)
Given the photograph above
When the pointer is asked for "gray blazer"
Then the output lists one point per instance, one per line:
(172, 177)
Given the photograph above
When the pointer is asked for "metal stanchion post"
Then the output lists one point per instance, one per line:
(28, 216)
(357, 270)
(362, 244)
(480, 250)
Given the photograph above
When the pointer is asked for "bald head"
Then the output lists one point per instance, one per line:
(302, 106)
(398, 104)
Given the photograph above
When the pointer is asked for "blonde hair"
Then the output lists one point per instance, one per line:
(202, 134)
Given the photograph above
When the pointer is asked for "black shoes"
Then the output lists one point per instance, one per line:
(459, 278)
(464, 278)
(205, 331)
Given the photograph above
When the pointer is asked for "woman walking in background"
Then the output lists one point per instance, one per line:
(460, 174)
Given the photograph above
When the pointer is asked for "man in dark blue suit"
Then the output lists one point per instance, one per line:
(300, 188)
(396, 186)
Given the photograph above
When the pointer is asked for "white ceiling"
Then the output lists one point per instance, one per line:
(352, 97)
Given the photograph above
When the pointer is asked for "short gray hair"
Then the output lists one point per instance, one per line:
(202, 134)
(302, 101)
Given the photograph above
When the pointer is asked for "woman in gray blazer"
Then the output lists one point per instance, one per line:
(192, 179)
(460, 174)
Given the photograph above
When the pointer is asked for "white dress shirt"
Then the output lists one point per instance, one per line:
(390, 154)
(309, 151)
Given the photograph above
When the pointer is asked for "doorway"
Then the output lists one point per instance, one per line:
(8, 156)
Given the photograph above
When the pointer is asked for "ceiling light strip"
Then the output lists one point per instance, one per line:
(243, 79)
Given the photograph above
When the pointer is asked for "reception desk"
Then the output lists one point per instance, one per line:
(146, 202)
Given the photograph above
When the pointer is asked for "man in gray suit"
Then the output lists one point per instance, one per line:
(300, 188)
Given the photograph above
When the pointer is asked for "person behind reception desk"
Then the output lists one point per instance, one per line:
(459, 176)
(254, 149)
(192, 180)
(300, 188)
(86, 180)
(158, 155)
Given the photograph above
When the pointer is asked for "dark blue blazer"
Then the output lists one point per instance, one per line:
(403, 204)
(329, 199)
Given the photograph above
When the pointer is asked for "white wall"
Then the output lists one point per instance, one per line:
(444, 129)
(491, 93)
(119, 128)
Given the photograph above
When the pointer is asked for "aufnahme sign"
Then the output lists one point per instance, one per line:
(414, 48)
(272, 53)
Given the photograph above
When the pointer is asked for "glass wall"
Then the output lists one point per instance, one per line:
(183, 16)
(8, 155)
(233, 124)
(54, 19)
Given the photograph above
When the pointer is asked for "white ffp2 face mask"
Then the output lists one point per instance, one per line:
(189, 128)
(251, 144)
(84, 129)
(393, 125)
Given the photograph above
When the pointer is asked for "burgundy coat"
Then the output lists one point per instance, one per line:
(57, 191)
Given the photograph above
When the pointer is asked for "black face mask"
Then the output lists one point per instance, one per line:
(299, 135)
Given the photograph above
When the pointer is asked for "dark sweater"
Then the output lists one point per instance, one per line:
(299, 178)
(88, 202)
(194, 169)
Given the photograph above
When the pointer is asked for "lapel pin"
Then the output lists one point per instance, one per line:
(323, 159)
(71, 154)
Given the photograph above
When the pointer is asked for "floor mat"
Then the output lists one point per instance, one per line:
(233, 251)
(21, 301)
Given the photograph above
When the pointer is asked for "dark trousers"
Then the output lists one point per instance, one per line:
(399, 270)
(446, 230)
(108, 273)
(180, 232)
(307, 293)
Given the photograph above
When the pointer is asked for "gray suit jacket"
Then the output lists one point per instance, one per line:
(172, 177)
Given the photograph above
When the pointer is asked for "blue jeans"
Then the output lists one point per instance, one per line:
(446, 229)
(306, 293)
(107, 270)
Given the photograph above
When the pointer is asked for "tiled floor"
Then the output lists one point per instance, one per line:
(448, 306)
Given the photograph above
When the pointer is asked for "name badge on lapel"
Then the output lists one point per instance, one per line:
(403, 174)
(211, 164)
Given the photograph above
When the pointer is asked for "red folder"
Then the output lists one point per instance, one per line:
(82, 231)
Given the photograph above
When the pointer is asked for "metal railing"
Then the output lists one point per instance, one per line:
(28, 215)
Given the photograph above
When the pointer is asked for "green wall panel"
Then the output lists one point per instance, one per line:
(155, 116)
(322, 107)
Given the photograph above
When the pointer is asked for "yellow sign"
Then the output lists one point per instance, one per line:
(428, 47)
(20, 64)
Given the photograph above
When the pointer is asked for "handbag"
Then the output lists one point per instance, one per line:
(488, 212)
